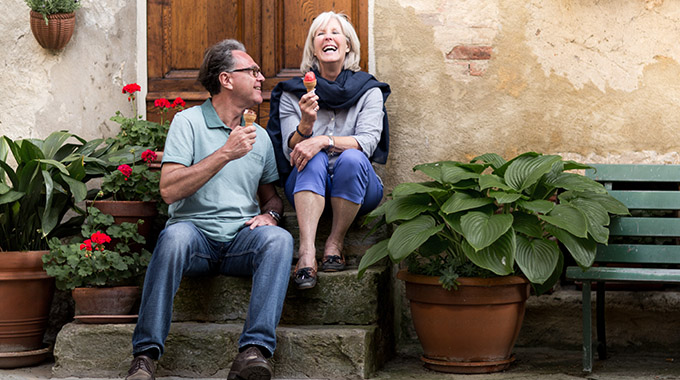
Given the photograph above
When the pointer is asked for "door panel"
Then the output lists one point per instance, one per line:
(273, 32)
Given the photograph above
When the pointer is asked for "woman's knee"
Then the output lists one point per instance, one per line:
(353, 159)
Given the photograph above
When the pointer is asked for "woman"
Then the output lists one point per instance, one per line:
(325, 140)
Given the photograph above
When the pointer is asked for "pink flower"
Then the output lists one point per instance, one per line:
(87, 245)
(100, 238)
(148, 155)
(126, 170)
(162, 103)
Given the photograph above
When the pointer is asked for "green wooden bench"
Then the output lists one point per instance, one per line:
(646, 181)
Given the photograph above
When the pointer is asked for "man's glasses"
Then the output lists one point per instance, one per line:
(253, 70)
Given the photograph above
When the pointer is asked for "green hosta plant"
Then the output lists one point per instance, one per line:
(90, 262)
(495, 217)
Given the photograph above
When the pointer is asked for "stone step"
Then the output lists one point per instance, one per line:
(338, 298)
(207, 350)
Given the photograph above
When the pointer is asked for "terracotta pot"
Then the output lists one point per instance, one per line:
(129, 211)
(56, 33)
(25, 297)
(469, 330)
(116, 300)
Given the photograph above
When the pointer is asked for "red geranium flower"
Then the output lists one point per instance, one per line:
(87, 245)
(126, 170)
(179, 102)
(100, 238)
(148, 155)
(162, 103)
(131, 88)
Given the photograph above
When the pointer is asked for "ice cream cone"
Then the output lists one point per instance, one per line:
(309, 81)
(249, 116)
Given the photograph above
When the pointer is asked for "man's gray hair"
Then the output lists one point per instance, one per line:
(217, 59)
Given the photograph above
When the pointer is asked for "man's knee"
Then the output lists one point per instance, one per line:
(174, 239)
(279, 242)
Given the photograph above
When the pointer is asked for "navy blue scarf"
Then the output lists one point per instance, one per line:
(343, 93)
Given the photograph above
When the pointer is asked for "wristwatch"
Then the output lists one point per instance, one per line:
(275, 215)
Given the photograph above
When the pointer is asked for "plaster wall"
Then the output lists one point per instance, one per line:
(77, 88)
(593, 80)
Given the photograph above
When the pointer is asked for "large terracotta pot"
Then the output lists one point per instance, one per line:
(26, 293)
(469, 330)
(129, 211)
(56, 33)
(116, 300)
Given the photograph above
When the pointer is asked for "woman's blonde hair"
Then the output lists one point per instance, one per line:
(309, 61)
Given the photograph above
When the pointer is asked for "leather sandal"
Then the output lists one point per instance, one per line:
(305, 278)
(333, 264)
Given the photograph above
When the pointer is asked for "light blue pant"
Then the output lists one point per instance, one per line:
(265, 253)
(353, 179)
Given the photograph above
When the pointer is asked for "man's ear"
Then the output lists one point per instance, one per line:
(225, 81)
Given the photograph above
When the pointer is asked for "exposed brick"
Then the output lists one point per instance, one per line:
(478, 68)
(470, 52)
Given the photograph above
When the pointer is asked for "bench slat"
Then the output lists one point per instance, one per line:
(635, 173)
(637, 253)
(624, 274)
(648, 200)
(639, 226)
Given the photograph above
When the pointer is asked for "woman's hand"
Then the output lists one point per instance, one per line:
(305, 150)
(309, 105)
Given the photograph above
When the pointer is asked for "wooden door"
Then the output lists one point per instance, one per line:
(273, 32)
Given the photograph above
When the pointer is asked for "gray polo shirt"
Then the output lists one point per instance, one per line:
(229, 199)
(363, 121)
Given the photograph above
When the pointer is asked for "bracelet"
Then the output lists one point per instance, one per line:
(331, 143)
(275, 215)
(297, 129)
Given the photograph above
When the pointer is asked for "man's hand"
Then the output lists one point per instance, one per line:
(240, 142)
(261, 220)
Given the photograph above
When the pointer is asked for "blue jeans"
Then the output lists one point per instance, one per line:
(353, 179)
(265, 253)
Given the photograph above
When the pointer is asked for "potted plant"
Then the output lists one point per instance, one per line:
(478, 224)
(102, 274)
(53, 21)
(136, 131)
(46, 180)
(131, 192)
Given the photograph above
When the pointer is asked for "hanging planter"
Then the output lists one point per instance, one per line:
(56, 33)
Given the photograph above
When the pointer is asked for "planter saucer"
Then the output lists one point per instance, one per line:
(101, 319)
(467, 367)
(24, 358)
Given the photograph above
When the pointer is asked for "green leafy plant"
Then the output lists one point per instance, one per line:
(494, 217)
(89, 263)
(135, 131)
(48, 7)
(47, 181)
(133, 183)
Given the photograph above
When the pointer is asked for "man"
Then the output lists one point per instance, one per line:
(214, 171)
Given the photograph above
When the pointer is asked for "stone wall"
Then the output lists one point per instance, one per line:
(77, 88)
(595, 81)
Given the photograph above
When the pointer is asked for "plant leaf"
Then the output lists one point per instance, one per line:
(409, 188)
(537, 258)
(527, 224)
(372, 255)
(408, 207)
(498, 257)
(492, 159)
(597, 218)
(462, 201)
(582, 250)
(525, 171)
(569, 218)
(539, 206)
(454, 174)
(481, 230)
(576, 182)
(503, 197)
(410, 235)
(487, 181)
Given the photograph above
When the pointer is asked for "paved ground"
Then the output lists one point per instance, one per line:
(531, 364)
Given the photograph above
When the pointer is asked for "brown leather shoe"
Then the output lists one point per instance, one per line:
(250, 365)
(142, 368)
